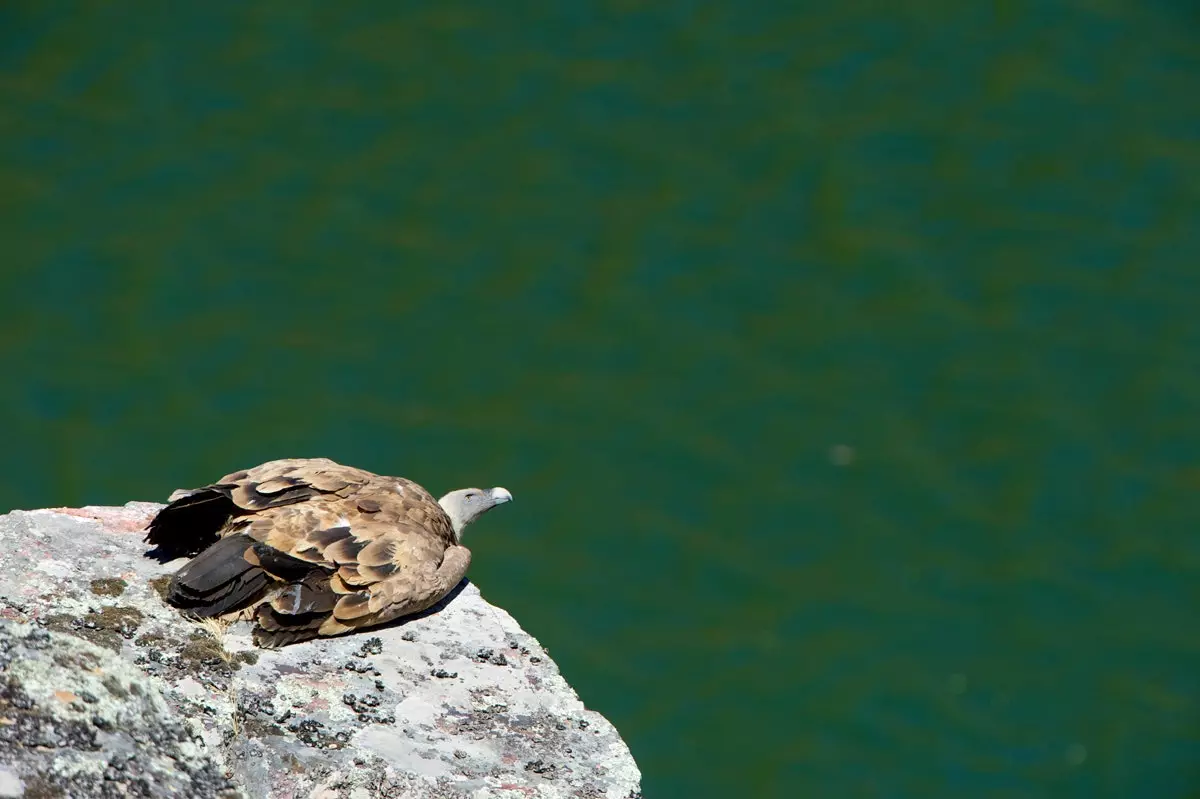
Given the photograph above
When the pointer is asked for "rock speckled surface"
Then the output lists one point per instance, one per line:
(459, 702)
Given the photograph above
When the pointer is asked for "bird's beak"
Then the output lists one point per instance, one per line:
(501, 495)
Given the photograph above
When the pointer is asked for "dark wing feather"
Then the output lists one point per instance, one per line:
(281, 565)
(218, 580)
(195, 520)
(309, 595)
(192, 522)
(276, 629)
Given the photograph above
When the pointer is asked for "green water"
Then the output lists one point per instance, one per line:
(842, 360)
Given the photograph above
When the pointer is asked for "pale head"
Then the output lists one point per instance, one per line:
(467, 504)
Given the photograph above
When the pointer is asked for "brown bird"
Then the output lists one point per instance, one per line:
(314, 548)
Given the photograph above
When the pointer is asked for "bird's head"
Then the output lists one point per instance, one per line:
(467, 504)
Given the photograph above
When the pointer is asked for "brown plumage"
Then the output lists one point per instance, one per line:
(315, 548)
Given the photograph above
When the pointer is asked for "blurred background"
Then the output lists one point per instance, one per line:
(842, 357)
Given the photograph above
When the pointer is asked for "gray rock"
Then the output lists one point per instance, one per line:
(80, 721)
(458, 702)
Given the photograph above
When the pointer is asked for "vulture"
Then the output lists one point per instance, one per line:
(308, 547)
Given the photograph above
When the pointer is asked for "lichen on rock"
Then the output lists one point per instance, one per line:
(76, 720)
(458, 702)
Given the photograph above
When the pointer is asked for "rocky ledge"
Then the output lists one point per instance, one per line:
(107, 691)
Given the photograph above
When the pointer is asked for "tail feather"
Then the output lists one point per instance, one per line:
(191, 522)
(295, 613)
(219, 580)
(310, 595)
(276, 629)
(293, 597)
(283, 566)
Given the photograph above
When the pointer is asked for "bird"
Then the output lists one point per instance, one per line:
(308, 547)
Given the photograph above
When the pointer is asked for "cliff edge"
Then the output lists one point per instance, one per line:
(107, 691)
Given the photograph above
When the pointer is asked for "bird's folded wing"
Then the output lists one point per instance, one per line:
(372, 570)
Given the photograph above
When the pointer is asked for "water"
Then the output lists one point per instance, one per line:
(841, 360)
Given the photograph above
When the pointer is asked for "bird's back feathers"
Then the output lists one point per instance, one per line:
(317, 548)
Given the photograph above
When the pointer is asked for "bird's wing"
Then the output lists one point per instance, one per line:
(371, 569)
(291, 480)
(196, 517)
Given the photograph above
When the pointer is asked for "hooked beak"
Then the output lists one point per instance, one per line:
(501, 495)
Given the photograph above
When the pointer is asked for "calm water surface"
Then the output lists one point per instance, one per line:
(843, 360)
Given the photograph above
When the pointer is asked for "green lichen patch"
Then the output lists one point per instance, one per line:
(249, 658)
(82, 661)
(203, 649)
(106, 627)
(150, 639)
(109, 586)
(37, 787)
(117, 617)
(159, 584)
(114, 687)
(73, 625)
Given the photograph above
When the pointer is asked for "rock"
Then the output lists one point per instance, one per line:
(84, 722)
(107, 691)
